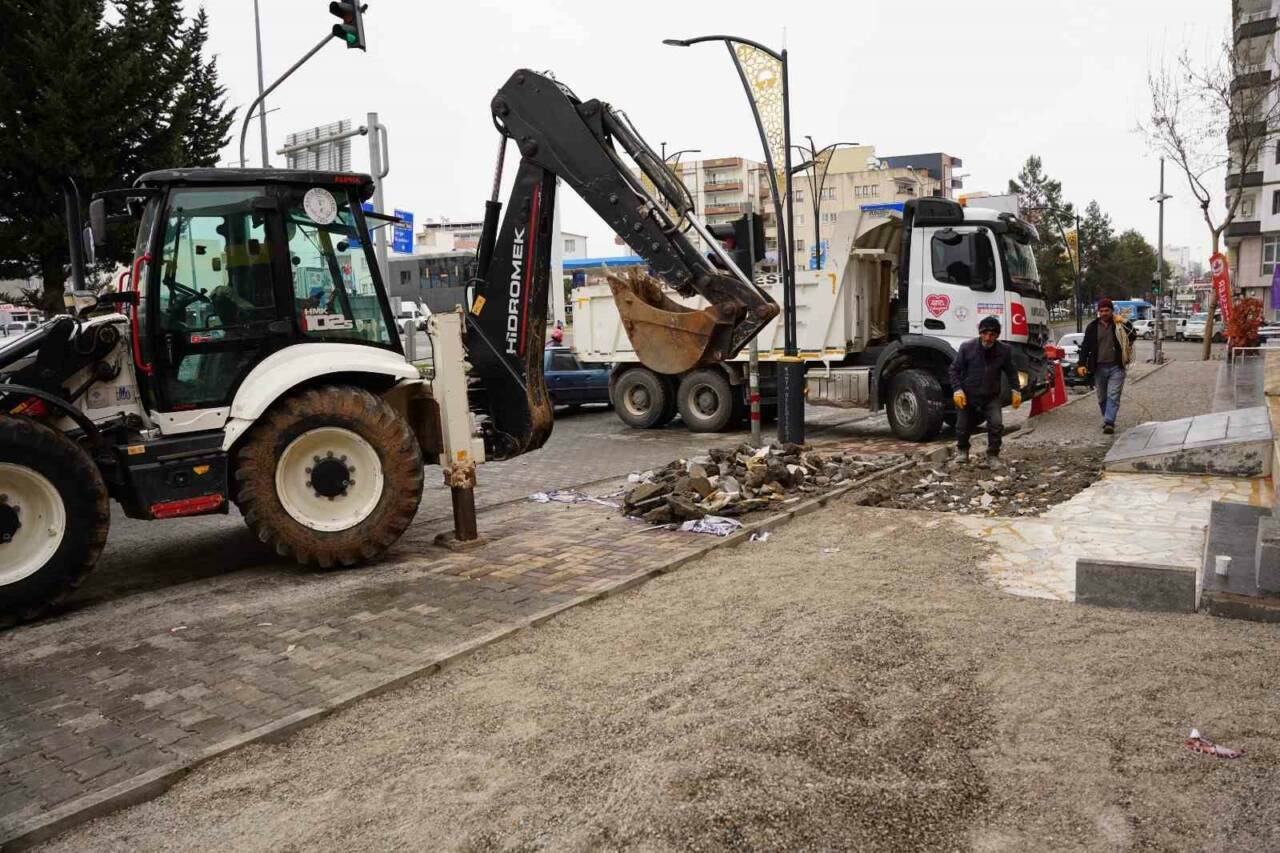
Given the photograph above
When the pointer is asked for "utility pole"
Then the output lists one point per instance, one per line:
(1159, 199)
(753, 363)
(379, 167)
(262, 104)
(1079, 315)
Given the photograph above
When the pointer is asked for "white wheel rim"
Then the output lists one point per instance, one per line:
(299, 496)
(42, 517)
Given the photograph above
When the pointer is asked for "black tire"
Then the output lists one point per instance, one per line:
(64, 465)
(642, 399)
(350, 410)
(705, 401)
(915, 405)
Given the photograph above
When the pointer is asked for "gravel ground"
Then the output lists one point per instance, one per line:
(826, 689)
(1031, 481)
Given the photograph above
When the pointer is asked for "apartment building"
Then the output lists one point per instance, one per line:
(1253, 238)
(858, 180)
(724, 188)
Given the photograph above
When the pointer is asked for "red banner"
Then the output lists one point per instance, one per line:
(1221, 286)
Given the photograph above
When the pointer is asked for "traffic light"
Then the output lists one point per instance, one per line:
(351, 30)
(739, 237)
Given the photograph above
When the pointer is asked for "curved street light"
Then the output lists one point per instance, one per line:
(817, 183)
(790, 366)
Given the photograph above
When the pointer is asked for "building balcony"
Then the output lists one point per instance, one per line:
(1243, 228)
(1253, 128)
(722, 187)
(1255, 24)
(1245, 179)
(723, 163)
(720, 209)
(1249, 76)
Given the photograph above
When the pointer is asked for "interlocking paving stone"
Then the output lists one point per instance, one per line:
(134, 687)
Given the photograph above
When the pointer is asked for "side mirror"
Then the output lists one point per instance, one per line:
(97, 222)
(87, 240)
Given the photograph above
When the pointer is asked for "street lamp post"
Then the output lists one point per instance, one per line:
(767, 87)
(816, 184)
(1157, 348)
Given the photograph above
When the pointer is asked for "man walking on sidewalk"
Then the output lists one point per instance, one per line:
(1105, 352)
(975, 381)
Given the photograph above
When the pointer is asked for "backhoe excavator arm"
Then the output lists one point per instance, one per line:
(559, 135)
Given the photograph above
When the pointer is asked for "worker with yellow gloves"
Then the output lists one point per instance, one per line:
(976, 381)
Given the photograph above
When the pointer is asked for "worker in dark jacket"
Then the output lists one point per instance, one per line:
(975, 381)
(1105, 352)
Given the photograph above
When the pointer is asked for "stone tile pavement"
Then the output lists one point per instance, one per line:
(110, 704)
(1157, 519)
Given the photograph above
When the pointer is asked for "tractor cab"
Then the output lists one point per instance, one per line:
(233, 265)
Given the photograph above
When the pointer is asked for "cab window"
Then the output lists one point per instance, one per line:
(965, 259)
(333, 291)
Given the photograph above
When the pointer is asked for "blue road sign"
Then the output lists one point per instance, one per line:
(402, 234)
(354, 242)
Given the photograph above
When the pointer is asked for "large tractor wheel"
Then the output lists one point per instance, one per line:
(705, 401)
(915, 406)
(54, 518)
(331, 476)
(643, 399)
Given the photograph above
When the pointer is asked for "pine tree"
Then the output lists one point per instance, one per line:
(99, 94)
(1097, 240)
(1040, 200)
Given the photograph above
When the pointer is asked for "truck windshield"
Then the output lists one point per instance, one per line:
(1020, 266)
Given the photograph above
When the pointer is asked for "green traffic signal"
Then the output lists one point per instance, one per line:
(351, 30)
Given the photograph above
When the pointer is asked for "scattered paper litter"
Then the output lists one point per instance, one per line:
(759, 537)
(569, 496)
(831, 550)
(177, 629)
(292, 646)
(716, 525)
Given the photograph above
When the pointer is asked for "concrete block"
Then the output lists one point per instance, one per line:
(1267, 560)
(1271, 373)
(1135, 586)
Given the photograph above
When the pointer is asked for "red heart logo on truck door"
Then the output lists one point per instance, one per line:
(937, 303)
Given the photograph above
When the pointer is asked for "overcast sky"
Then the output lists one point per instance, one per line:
(990, 82)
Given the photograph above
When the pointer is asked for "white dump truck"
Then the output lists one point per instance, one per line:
(878, 327)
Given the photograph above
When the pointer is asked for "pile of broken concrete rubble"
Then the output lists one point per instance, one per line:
(743, 479)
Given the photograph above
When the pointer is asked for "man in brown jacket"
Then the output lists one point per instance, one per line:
(1106, 352)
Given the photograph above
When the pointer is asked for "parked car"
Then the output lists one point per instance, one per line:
(1144, 328)
(1181, 333)
(1194, 330)
(571, 382)
(1070, 345)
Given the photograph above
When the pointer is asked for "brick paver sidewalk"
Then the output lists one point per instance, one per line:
(112, 703)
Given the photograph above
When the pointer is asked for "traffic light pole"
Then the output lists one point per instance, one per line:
(248, 114)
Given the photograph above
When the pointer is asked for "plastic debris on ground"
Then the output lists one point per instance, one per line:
(571, 496)
(713, 524)
(760, 537)
(1199, 743)
(743, 479)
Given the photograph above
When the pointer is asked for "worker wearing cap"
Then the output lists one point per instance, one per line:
(975, 380)
(1105, 352)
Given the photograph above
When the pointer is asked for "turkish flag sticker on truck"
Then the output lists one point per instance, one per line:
(1018, 319)
(937, 303)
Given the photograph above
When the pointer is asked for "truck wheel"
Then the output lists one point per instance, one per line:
(54, 518)
(643, 399)
(331, 476)
(705, 401)
(915, 405)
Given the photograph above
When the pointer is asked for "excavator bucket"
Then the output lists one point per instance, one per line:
(669, 337)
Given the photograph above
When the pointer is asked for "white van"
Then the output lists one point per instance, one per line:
(418, 314)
